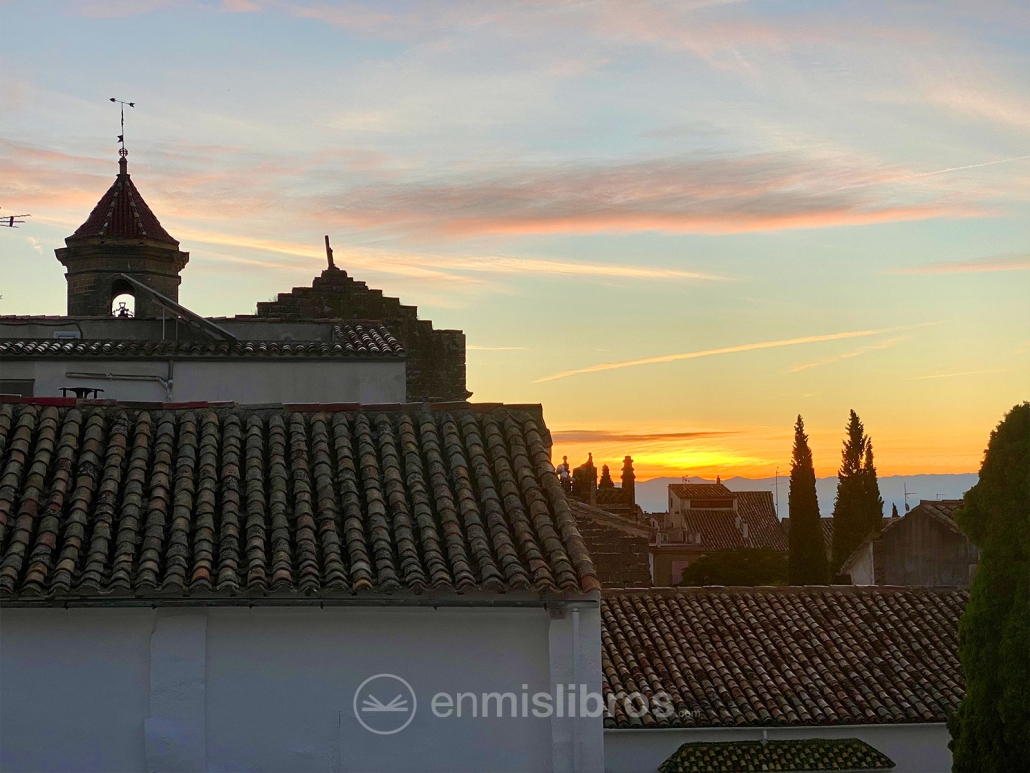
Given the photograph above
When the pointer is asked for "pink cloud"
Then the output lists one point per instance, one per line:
(722, 195)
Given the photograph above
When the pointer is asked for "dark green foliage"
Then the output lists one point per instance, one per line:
(606, 478)
(738, 566)
(872, 502)
(807, 557)
(858, 509)
(894, 511)
(991, 730)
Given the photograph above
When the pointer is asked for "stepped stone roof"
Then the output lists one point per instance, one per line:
(122, 213)
(349, 340)
(797, 756)
(763, 657)
(107, 503)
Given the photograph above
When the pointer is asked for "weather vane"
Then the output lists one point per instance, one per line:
(11, 221)
(121, 137)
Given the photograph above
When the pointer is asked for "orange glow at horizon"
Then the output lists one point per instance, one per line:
(760, 456)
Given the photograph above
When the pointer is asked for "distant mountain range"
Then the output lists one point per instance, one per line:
(652, 495)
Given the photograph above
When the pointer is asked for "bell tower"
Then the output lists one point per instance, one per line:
(120, 236)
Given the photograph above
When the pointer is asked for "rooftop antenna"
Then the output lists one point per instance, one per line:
(329, 252)
(121, 137)
(777, 487)
(11, 221)
(907, 495)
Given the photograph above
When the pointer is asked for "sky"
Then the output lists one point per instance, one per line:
(677, 225)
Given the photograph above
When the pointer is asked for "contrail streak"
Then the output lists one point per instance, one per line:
(970, 166)
(918, 175)
(727, 350)
(953, 375)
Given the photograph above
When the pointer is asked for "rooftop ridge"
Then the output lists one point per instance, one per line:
(714, 590)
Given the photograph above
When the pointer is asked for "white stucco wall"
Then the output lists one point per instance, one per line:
(860, 566)
(917, 748)
(272, 688)
(258, 380)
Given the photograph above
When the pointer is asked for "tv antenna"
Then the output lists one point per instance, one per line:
(121, 137)
(11, 221)
(907, 495)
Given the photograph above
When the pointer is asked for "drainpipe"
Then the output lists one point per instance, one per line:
(576, 689)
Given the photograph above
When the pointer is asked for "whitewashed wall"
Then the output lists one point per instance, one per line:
(238, 689)
(257, 380)
(917, 748)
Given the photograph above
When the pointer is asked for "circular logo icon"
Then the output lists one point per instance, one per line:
(384, 704)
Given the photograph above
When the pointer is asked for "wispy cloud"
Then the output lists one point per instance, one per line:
(606, 436)
(1017, 262)
(714, 352)
(495, 348)
(731, 194)
(848, 355)
(428, 266)
(956, 375)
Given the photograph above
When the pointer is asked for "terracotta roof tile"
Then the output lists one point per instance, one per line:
(797, 756)
(943, 507)
(122, 213)
(718, 529)
(107, 501)
(700, 490)
(783, 656)
(756, 509)
(352, 340)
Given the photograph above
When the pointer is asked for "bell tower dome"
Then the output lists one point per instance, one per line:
(120, 236)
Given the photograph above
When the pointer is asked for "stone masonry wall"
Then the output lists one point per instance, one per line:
(435, 358)
(621, 560)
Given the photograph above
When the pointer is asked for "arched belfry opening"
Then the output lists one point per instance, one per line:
(123, 299)
(120, 236)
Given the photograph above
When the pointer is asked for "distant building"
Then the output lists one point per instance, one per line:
(619, 500)
(127, 337)
(923, 547)
(619, 547)
(880, 665)
(706, 517)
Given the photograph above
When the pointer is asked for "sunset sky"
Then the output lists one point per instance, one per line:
(676, 225)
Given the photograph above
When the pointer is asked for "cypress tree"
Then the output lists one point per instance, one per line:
(872, 502)
(894, 511)
(850, 511)
(806, 562)
(991, 730)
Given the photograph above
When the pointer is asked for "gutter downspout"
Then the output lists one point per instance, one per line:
(576, 687)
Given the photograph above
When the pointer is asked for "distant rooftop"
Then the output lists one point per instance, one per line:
(700, 490)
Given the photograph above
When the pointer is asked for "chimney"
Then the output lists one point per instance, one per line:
(629, 482)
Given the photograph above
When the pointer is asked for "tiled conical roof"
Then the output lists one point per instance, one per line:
(123, 214)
